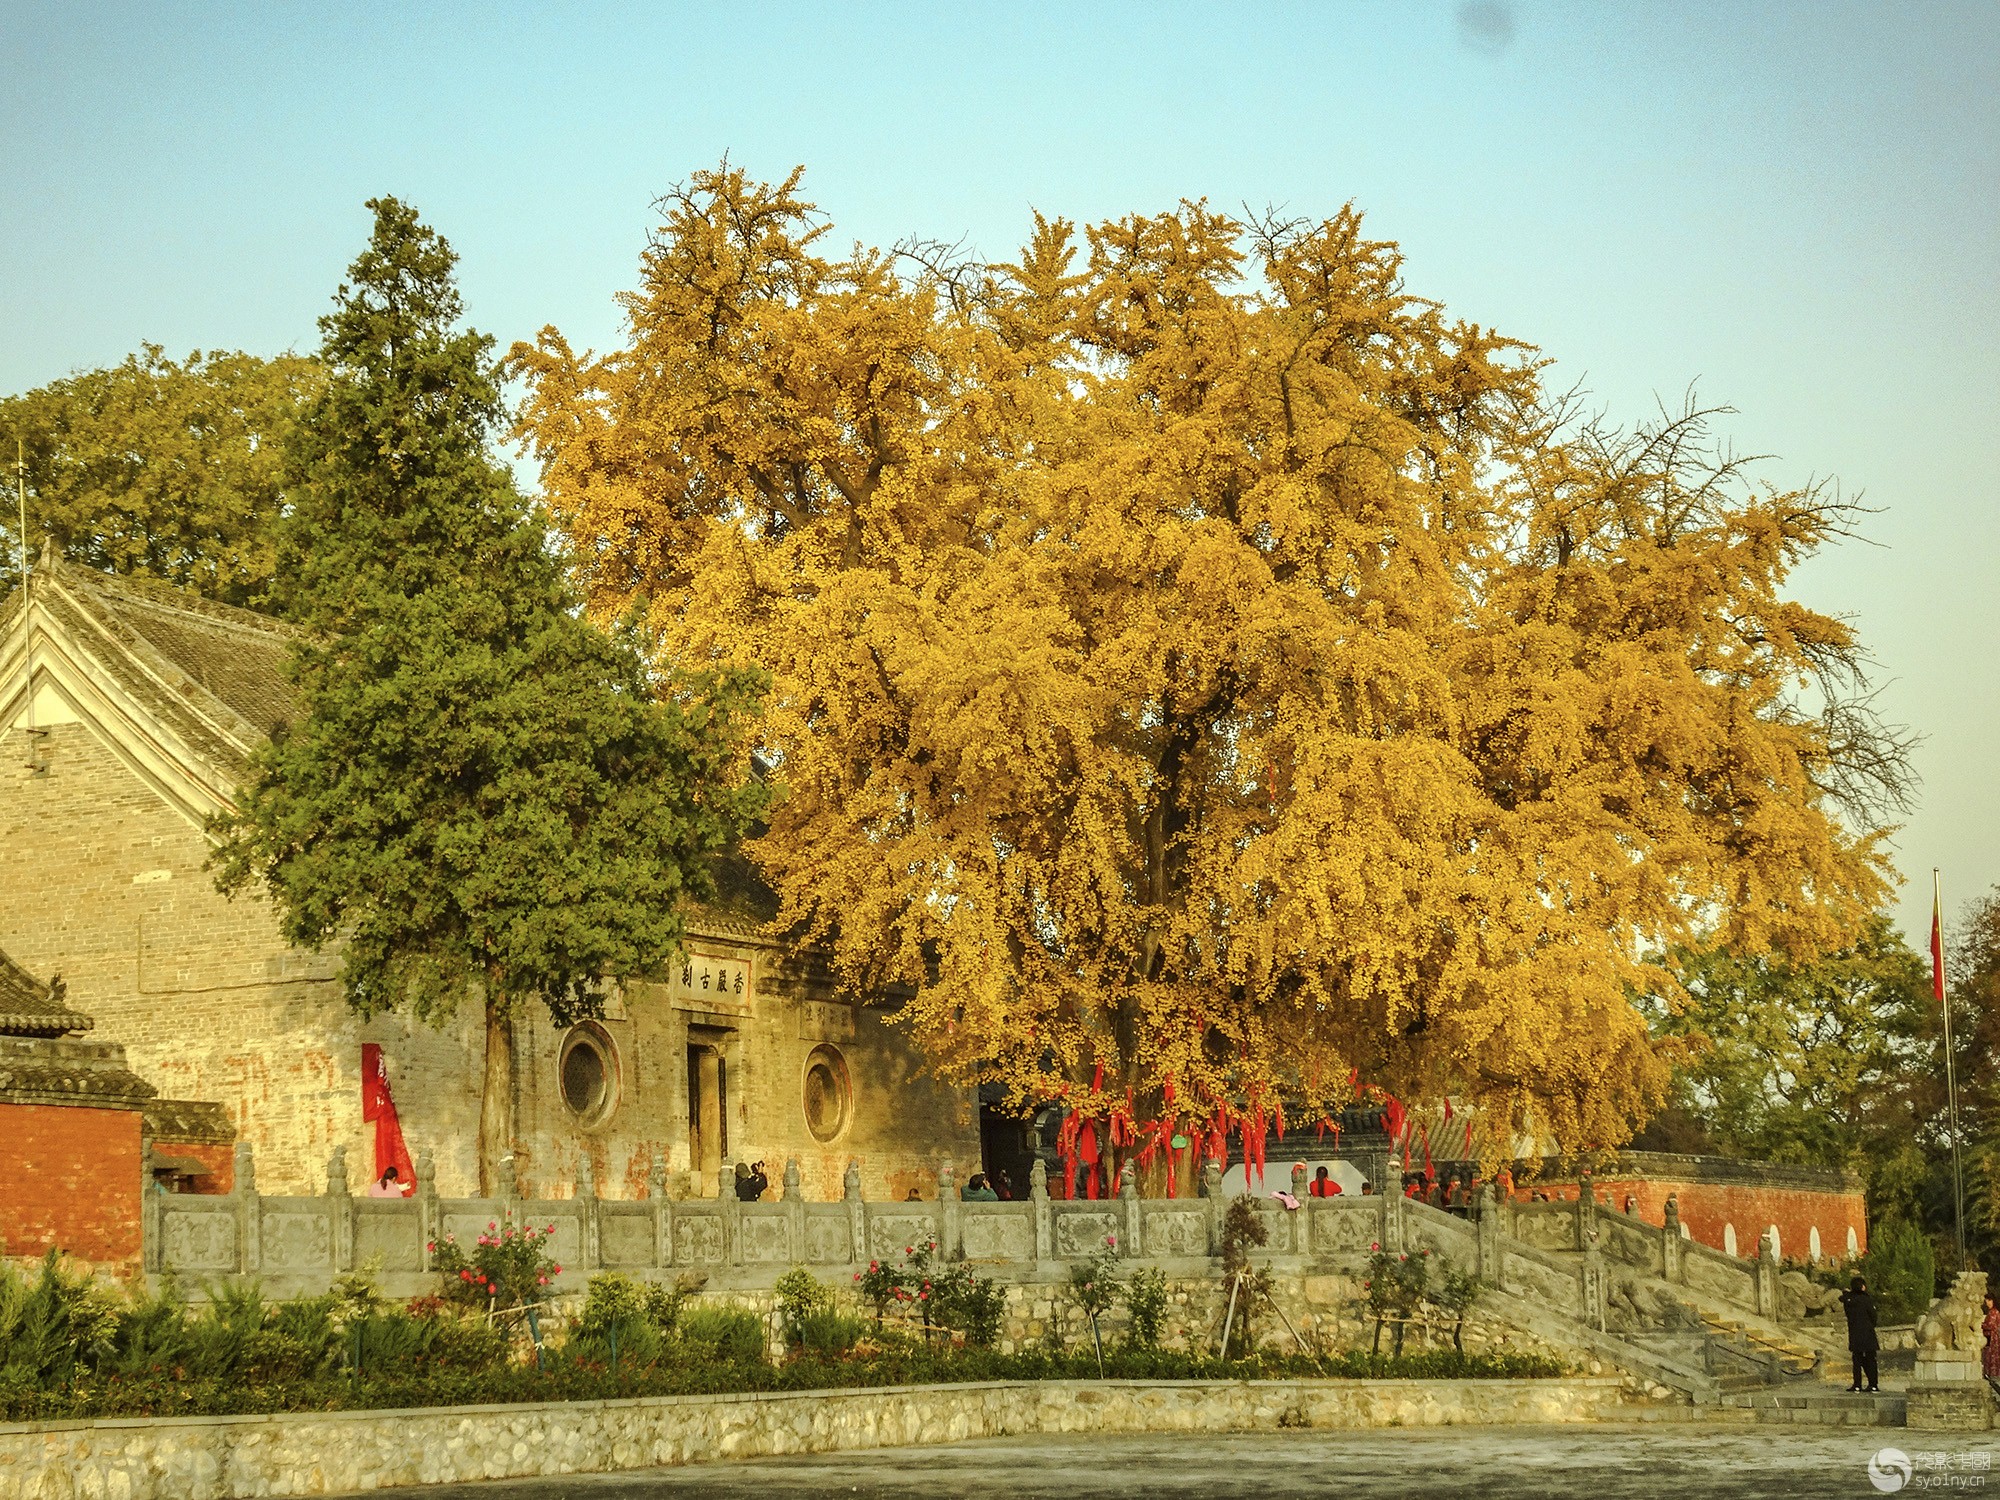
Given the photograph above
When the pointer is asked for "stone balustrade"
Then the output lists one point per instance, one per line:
(299, 1244)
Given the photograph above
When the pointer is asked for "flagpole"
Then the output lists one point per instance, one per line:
(1950, 1064)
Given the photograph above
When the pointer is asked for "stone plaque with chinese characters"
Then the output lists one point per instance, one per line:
(826, 1021)
(702, 981)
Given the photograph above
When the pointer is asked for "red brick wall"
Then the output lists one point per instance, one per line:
(1710, 1209)
(69, 1180)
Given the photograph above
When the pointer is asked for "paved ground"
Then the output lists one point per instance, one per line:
(1681, 1461)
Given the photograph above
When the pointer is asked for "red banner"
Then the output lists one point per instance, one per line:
(377, 1106)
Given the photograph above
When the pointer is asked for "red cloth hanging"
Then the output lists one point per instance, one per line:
(379, 1108)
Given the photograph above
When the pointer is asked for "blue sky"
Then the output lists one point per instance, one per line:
(1796, 207)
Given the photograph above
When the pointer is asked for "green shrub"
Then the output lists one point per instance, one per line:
(1901, 1269)
(1146, 1304)
(721, 1335)
(54, 1325)
(828, 1334)
(969, 1305)
(801, 1295)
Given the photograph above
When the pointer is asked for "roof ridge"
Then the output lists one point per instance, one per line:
(163, 595)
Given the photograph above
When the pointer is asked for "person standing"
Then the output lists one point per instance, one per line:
(1862, 1343)
(1989, 1357)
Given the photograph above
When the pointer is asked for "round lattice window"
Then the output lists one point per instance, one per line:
(829, 1098)
(589, 1075)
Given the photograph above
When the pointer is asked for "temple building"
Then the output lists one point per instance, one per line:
(128, 711)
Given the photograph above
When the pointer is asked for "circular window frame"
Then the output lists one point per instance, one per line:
(589, 1035)
(827, 1056)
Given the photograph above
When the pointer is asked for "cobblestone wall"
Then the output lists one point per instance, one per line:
(319, 1453)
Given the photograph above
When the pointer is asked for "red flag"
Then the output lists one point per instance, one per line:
(1937, 940)
(379, 1107)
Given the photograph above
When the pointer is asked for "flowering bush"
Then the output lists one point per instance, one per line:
(509, 1266)
(879, 1286)
(942, 1295)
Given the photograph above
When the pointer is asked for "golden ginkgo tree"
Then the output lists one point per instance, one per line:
(1209, 680)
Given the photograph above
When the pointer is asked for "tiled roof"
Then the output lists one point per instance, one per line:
(212, 673)
(28, 1007)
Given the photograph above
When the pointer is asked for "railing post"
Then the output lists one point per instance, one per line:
(1488, 1264)
(430, 1223)
(1670, 1240)
(1132, 1214)
(1038, 1198)
(663, 1213)
(857, 1211)
(795, 1210)
(1586, 1208)
(1767, 1277)
(590, 1247)
(249, 1213)
(951, 1245)
(732, 1218)
(340, 1212)
(1211, 1181)
(1393, 1205)
(1594, 1291)
(151, 1211)
(1302, 1195)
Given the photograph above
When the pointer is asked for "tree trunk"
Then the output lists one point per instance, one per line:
(496, 1093)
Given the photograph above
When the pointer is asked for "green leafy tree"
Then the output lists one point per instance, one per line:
(484, 794)
(159, 468)
(1801, 1062)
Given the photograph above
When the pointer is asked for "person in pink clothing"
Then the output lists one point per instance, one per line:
(1990, 1356)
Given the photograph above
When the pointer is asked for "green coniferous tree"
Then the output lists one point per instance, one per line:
(483, 794)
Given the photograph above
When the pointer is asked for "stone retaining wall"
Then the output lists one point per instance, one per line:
(324, 1453)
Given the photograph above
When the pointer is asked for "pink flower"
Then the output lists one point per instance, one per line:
(556, 1271)
(1111, 1240)
(465, 1276)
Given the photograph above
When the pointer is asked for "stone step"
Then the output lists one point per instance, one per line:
(1822, 1408)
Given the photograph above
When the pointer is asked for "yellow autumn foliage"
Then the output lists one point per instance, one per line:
(1198, 658)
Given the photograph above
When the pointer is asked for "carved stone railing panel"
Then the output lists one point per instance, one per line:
(828, 1241)
(626, 1234)
(1560, 1290)
(297, 1235)
(386, 1235)
(699, 1239)
(766, 1234)
(1175, 1233)
(1082, 1232)
(892, 1232)
(998, 1231)
(1340, 1228)
(199, 1239)
(1546, 1226)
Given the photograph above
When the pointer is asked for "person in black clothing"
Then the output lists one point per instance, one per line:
(1861, 1341)
(750, 1182)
